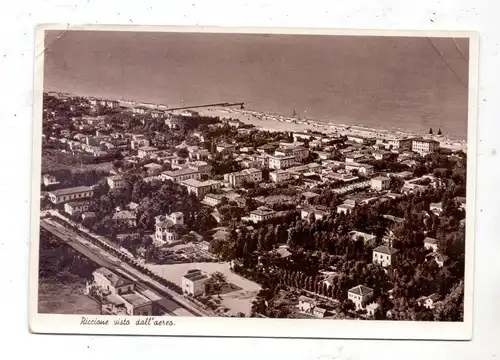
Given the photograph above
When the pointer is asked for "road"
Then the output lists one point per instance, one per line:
(183, 307)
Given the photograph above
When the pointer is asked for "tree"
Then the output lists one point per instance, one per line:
(217, 282)
(183, 153)
(452, 307)
(439, 132)
(430, 131)
(396, 183)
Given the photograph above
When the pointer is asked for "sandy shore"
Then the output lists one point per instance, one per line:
(272, 122)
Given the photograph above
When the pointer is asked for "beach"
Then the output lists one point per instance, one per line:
(274, 122)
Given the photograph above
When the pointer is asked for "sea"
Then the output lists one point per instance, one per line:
(407, 83)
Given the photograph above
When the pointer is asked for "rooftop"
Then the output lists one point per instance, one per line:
(361, 290)
(306, 299)
(262, 211)
(114, 279)
(196, 276)
(199, 184)
(385, 250)
(215, 196)
(183, 171)
(309, 194)
(381, 178)
(148, 148)
(72, 190)
(355, 164)
(366, 237)
(77, 203)
(135, 299)
(123, 215)
(153, 166)
(429, 240)
(426, 141)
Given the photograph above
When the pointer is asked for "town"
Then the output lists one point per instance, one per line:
(187, 214)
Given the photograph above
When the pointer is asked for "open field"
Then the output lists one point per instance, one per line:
(58, 298)
(239, 299)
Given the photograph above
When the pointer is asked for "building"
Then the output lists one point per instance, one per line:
(306, 304)
(125, 218)
(224, 147)
(190, 113)
(237, 179)
(300, 153)
(181, 175)
(118, 294)
(88, 215)
(173, 122)
(360, 295)
(267, 148)
(301, 136)
(262, 213)
(194, 282)
(307, 168)
(201, 166)
(461, 201)
(283, 252)
(279, 176)
(382, 155)
(401, 143)
(357, 139)
(49, 180)
(346, 207)
(153, 169)
(136, 144)
(438, 258)
(280, 162)
(429, 302)
(146, 151)
(116, 182)
(430, 244)
(319, 212)
(354, 157)
(380, 183)
(405, 175)
(165, 232)
(424, 146)
(362, 169)
(384, 255)
(213, 199)
(109, 281)
(76, 207)
(436, 208)
(200, 188)
(371, 309)
(368, 239)
(320, 312)
(75, 193)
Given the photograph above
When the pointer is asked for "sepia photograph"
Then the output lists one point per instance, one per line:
(238, 182)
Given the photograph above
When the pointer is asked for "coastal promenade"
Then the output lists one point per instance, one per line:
(181, 305)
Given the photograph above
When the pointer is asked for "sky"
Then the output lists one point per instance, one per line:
(406, 82)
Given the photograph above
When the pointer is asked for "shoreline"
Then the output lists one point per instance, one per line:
(275, 122)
